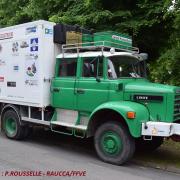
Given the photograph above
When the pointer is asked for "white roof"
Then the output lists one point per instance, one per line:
(26, 24)
(97, 53)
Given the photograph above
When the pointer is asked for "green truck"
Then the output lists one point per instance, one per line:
(97, 88)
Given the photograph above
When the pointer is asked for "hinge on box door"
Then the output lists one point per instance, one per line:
(47, 80)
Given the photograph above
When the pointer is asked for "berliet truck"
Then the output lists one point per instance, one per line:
(85, 84)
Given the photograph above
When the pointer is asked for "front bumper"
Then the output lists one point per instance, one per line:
(160, 129)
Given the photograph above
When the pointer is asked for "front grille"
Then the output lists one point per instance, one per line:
(177, 107)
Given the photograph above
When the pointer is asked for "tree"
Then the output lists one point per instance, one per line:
(167, 67)
(152, 25)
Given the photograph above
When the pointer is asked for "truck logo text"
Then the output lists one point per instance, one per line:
(147, 98)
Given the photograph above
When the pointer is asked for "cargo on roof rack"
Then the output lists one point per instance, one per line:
(98, 46)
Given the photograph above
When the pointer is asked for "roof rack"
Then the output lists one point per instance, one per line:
(96, 46)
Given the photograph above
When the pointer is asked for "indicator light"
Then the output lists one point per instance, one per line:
(131, 115)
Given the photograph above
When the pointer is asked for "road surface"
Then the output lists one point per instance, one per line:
(45, 151)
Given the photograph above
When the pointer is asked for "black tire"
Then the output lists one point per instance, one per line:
(28, 131)
(149, 145)
(17, 131)
(121, 137)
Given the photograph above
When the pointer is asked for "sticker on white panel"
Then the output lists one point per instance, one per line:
(24, 44)
(31, 30)
(31, 56)
(15, 48)
(34, 44)
(2, 62)
(31, 73)
(48, 31)
(1, 48)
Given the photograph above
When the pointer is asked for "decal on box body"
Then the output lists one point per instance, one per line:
(1, 79)
(34, 44)
(31, 82)
(31, 30)
(1, 48)
(11, 84)
(31, 56)
(24, 44)
(48, 31)
(31, 70)
(2, 63)
(31, 73)
(8, 35)
(15, 46)
(16, 68)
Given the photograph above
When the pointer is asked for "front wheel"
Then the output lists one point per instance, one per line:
(11, 125)
(113, 143)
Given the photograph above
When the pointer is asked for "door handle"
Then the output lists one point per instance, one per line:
(80, 91)
(55, 89)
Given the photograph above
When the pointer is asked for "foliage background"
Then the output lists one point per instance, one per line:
(154, 25)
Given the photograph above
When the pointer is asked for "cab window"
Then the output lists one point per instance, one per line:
(67, 67)
(92, 67)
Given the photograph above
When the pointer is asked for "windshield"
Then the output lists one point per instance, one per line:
(124, 67)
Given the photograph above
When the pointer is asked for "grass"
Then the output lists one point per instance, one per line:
(168, 155)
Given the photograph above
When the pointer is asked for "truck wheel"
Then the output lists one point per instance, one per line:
(113, 143)
(142, 145)
(28, 131)
(11, 126)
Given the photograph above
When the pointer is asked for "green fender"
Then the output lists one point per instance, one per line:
(122, 107)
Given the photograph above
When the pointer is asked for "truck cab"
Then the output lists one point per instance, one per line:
(110, 88)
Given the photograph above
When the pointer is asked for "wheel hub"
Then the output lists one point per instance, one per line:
(111, 143)
(10, 125)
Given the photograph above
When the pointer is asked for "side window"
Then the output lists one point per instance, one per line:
(92, 67)
(67, 68)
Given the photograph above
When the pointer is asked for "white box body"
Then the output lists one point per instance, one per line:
(27, 62)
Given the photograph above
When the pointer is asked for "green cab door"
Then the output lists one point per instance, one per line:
(91, 87)
(62, 88)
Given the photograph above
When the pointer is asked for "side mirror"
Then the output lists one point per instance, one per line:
(144, 56)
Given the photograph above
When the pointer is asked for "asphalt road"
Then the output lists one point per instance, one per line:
(45, 151)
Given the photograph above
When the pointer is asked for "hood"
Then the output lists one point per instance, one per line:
(147, 87)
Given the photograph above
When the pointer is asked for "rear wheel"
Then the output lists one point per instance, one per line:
(28, 131)
(113, 143)
(11, 125)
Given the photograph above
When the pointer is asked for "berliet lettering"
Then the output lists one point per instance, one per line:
(148, 97)
(142, 97)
